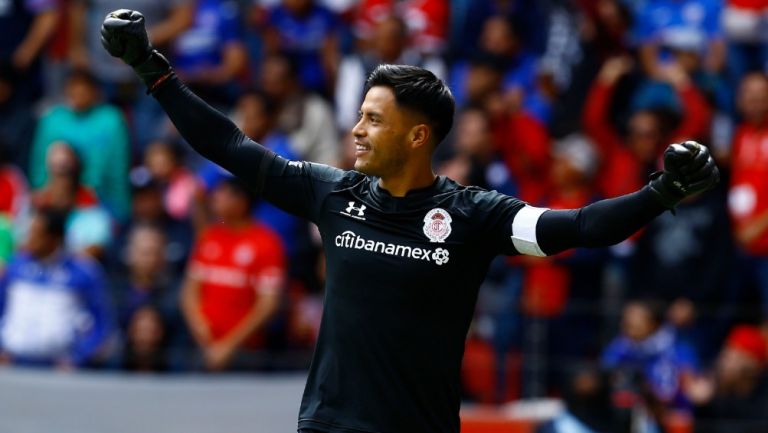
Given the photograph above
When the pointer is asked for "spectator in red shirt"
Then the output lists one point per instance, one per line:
(627, 161)
(427, 20)
(748, 193)
(233, 283)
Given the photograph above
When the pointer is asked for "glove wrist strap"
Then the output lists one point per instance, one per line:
(154, 71)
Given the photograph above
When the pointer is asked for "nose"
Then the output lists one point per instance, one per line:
(358, 130)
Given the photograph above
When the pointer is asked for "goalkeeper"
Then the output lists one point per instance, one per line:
(406, 250)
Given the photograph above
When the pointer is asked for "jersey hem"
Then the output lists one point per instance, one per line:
(318, 424)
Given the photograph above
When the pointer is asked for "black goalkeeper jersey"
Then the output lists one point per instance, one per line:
(402, 279)
(402, 273)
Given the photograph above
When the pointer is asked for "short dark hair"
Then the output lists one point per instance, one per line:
(419, 90)
(239, 187)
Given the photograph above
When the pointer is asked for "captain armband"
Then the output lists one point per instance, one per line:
(524, 231)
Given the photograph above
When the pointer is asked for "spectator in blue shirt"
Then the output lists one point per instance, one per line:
(663, 26)
(307, 32)
(651, 351)
(53, 305)
(211, 56)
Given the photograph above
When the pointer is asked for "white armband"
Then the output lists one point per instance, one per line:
(524, 231)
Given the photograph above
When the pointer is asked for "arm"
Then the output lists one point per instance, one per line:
(597, 107)
(77, 13)
(190, 308)
(698, 115)
(688, 169)
(749, 230)
(295, 187)
(263, 310)
(93, 295)
(178, 20)
(42, 28)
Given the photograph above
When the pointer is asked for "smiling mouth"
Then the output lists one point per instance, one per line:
(361, 148)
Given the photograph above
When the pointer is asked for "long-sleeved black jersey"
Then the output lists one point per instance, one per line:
(402, 272)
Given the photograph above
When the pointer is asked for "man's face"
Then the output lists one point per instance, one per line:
(753, 99)
(381, 135)
(644, 136)
(226, 203)
(39, 242)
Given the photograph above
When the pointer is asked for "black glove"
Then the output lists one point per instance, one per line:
(123, 35)
(688, 169)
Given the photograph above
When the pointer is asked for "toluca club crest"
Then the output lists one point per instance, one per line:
(437, 225)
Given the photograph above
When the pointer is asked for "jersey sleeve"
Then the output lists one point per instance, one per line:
(518, 228)
(296, 187)
(510, 224)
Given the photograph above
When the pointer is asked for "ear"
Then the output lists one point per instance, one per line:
(420, 136)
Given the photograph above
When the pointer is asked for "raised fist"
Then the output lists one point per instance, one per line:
(124, 36)
(688, 169)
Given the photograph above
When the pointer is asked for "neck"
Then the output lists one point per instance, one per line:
(235, 223)
(398, 185)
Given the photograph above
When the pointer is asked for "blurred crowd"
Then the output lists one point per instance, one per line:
(122, 249)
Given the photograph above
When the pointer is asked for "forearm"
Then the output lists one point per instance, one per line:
(748, 232)
(181, 18)
(606, 222)
(42, 28)
(212, 134)
(253, 321)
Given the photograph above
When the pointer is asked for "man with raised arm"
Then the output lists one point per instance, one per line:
(406, 250)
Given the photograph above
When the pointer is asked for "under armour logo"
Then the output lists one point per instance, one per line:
(360, 210)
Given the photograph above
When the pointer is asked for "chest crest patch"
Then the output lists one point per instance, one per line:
(437, 225)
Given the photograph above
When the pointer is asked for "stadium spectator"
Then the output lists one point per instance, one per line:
(427, 20)
(233, 283)
(17, 120)
(664, 27)
(691, 265)
(520, 80)
(627, 162)
(735, 398)
(27, 26)
(147, 208)
(53, 304)
(588, 406)
(558, 292)
(182, 196)
(168, 20)
(748, 194)
(211, 55)
(304, 116)
(146, 280)
(89, 226)
(389, 44)
(145, 346)
(650, 351)
(256, 115)
(308, 33)
(744, 24)
(98, 132)
(475, 159)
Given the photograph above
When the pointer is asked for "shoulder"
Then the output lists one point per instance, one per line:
(84, 266)
(474, 201)
(327, 173)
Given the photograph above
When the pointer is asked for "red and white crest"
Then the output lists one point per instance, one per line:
(437, 225)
